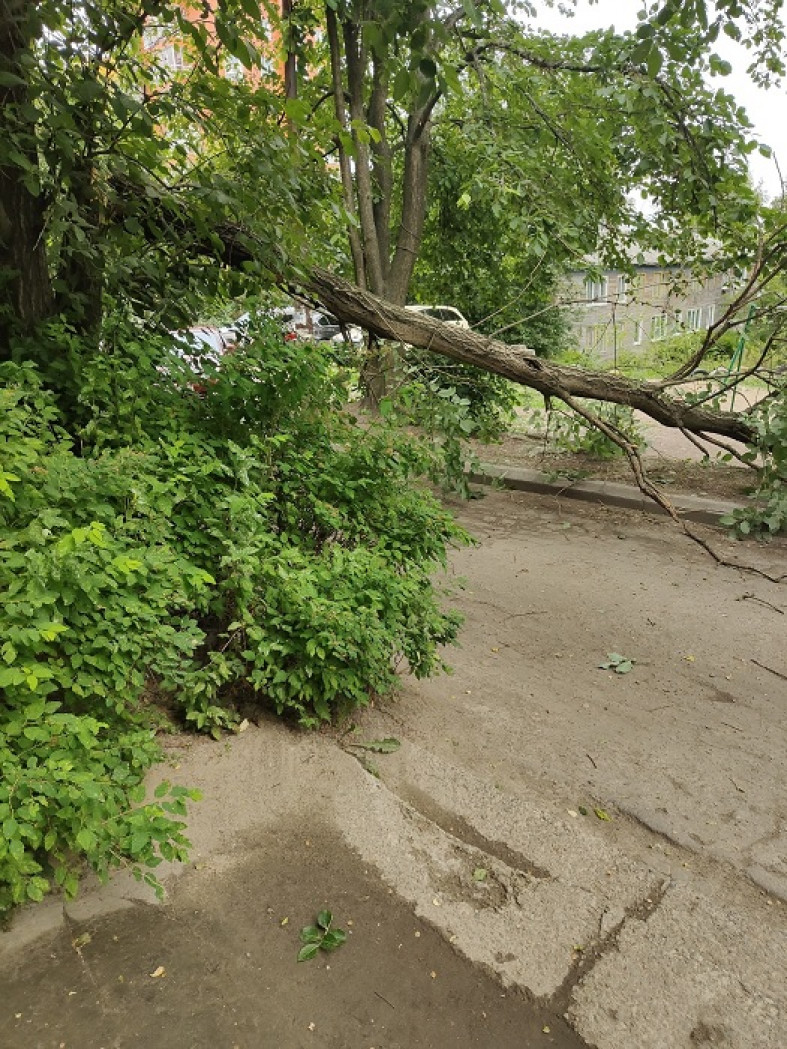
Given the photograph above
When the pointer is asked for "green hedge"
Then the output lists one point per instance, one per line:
(178, 551)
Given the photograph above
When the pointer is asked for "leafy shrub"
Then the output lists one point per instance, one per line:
(572, 433)
(251, 541)
(71, 790)
(768, 512)
(451, 403)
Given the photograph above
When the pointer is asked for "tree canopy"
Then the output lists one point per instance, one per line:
(179, 539)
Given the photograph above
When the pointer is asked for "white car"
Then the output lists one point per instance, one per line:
(446, 314)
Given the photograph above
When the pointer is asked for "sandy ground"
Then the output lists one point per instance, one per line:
(556, 855)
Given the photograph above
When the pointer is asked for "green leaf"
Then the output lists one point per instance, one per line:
(654, 62)
(10, 828)
(401, 85)
(311, 934)
(86, 839)
(309, 950)
(480, 874)
(624, 667)
(324, 919)
(603, 815)
(162, 789)
(379, 746)
(333, 939)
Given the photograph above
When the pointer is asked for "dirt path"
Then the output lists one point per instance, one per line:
(483, 906)
(229, 977)
(692, 741)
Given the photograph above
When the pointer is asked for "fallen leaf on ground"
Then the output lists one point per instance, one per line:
(158, 972)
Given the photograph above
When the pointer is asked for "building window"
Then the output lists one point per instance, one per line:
(623, 289)
(637, 333)
(694, 319)
(596, 290)
(710, 315)
(658, 327)
(233, 69)
(152, 36)
(172, 57)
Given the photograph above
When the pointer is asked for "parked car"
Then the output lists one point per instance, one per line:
(295, 321)
(200, 348)
(204, 342)
(355, 335)
(446, 314)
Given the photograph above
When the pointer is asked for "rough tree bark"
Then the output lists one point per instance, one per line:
(389, 321)
(23, 262)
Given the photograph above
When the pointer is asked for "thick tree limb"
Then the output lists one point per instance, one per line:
(355, 306)
(385, 320)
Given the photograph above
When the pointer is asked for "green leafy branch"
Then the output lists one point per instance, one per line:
(320, 937)
(620, 664)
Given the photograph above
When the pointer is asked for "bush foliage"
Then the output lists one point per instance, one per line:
(767, 512)
(181, 551)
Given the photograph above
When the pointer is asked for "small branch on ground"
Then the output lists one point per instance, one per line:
(770, 670)
(649, 489)
(753, 597)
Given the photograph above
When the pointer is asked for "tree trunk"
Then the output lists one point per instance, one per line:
(356, 70)
(411, 226)
(290, 61)
(25, 285)
(345, 170)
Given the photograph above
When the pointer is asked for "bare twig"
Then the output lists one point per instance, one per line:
(729, 450)
(648, 488)
(753, 597)
(770, 670)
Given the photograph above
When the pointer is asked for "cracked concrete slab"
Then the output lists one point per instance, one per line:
(646, 929)
(719, 971)
(525, 926)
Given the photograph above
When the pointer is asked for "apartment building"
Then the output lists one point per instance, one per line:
(612, 312)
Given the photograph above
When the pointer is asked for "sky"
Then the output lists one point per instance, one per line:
(767, 110)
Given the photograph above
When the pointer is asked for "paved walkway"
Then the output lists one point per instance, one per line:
(556, 856)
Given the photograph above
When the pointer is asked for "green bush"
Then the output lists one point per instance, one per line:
(246, 542)
(451, 403)
(572, 433)
(768, 512)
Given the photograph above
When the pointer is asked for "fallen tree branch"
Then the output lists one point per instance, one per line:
(652, 491)
(385, 320)
(733, 452)
(236, 245)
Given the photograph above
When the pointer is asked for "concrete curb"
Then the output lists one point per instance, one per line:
(607, 493)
